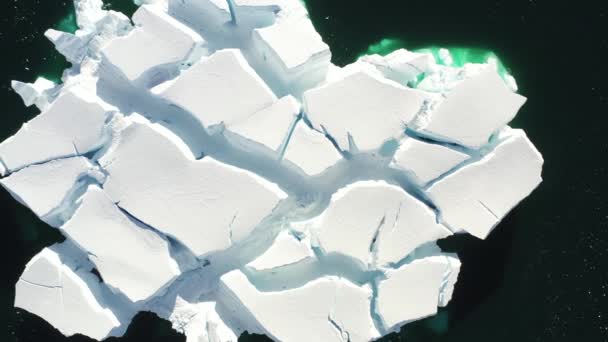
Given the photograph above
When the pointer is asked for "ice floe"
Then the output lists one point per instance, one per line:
(208, 163)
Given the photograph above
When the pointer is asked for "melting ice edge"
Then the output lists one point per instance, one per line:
(209, 161)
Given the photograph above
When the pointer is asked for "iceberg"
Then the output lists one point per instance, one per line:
(208, 163)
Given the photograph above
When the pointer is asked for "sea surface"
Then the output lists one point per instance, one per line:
(542, 275)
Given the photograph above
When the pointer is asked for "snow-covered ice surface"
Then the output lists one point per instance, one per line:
(212, 166)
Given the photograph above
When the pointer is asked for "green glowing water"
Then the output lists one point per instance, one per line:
(460, 55)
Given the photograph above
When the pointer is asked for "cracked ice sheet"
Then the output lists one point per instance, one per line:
(71, 125)
(52, 290)
(383, 222)
(327, 309)
(131, 258)
(205, 204)
(210, 206)
(477, 196)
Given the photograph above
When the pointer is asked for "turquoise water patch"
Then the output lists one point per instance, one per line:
(460, 55)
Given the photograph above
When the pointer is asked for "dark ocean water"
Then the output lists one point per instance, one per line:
(542, 275)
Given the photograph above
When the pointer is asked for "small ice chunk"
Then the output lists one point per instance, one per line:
(205, 204)
(71, 46)
(220, 88)
(364, 105)
(310, 150)
(71, 125)
(474, 110)
(54, 292)
(401, 66)
(158, 41)
(200, 322)
(476, 197)
(34, 93)
(89, 13)
(130, 257)
(269, 126)
(285, 250)
(424, 160)
(383, 224)
(450, 281)
(412, 291)
(207, 16)
(327, 309)
(43, 187)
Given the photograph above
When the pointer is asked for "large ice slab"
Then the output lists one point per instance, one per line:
(474, 110)
(71, 125)
(414, 290)
(383, 224)
(205, 204)
(364, 105)
(158, 43)
(426, 161)
(293, 50)
(220, 88)
(52, 290)
(131, 258)
(477, 196)
(328, 309)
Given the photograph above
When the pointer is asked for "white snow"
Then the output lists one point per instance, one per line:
(130, 257)
(53, 291)
(477, 196)
(364, 105)
(71, 125)
(205, 204)
(474, 109)
(310, 150)
(327, 309)
(424, 160)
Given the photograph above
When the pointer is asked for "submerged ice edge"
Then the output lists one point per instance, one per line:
(305, 176)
